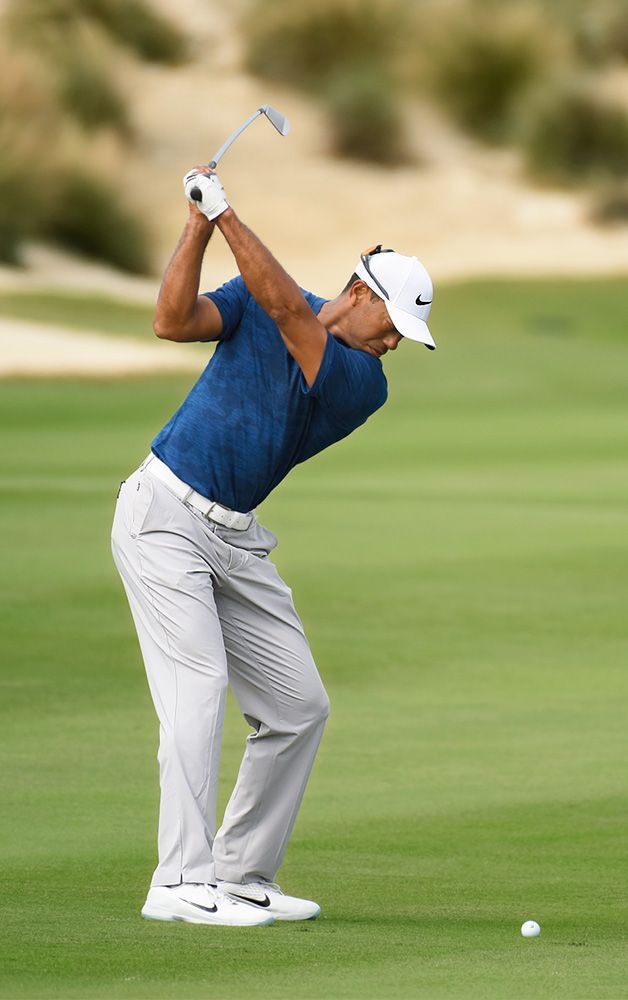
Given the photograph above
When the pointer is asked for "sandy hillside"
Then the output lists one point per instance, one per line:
(38, 349)
(465, 211)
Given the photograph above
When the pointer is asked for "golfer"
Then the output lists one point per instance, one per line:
(291, 374)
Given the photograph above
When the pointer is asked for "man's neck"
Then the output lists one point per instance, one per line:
(332, 315)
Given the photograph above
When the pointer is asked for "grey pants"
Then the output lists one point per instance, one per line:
(210, 609)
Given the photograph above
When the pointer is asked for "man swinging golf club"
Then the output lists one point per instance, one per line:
(292, 373)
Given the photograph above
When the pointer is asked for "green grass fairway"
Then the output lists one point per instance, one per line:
(460, 566)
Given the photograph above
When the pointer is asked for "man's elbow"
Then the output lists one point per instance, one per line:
(163, 331)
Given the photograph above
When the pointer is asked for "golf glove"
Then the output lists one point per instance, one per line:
(205, 191)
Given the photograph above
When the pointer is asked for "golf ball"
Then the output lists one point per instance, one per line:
(530, 929)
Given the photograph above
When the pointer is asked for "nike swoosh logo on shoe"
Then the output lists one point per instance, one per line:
(208, 909)
(247, 899)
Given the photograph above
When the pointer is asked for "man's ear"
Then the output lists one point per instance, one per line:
(359, 289)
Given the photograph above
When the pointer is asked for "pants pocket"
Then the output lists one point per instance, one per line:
(134, 501)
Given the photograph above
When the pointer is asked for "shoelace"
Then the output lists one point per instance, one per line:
(217, 895)
(262, 884)
(248, 885)
(270, 885)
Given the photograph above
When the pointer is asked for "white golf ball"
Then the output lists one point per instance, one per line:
(530, 929)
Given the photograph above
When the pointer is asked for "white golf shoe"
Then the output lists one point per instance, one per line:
(267, 897)
(197, 903)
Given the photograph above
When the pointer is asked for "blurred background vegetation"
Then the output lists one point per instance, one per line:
(533, 77)
(505, 71)
(58, 90)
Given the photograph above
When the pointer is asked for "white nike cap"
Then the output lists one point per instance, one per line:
(406, 288)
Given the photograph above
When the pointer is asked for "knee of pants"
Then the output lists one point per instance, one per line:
(297, 717)
(323, 706)
(314, 711)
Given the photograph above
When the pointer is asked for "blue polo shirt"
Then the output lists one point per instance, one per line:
(251, 416)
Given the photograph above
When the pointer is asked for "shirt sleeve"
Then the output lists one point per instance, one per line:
(350, 384)
(231, 299)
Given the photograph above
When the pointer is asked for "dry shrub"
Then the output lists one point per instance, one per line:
(79, 40)
(308, 44)
(57, 83)
(365, 119)
(481, 57)
(87, 90)
(135, 24)
(79, 58)
(88, 215)
(132, 23)
(600, 30)
(574, 134)
(345, 52)
(28, 124)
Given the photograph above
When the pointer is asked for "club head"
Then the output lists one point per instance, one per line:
(279, 121)
(275, 117)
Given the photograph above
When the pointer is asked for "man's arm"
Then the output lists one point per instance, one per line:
(277, 293)
(181, 314)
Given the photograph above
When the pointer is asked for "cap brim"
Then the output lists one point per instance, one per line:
(410, 326)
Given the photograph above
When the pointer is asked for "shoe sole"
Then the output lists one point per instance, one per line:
(157, 913)
(314, 916)
(275, 915)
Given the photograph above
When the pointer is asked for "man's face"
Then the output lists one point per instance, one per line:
(369, 327)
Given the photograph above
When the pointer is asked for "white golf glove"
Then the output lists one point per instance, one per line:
(205, 191)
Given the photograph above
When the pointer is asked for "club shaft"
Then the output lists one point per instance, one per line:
(232, 138)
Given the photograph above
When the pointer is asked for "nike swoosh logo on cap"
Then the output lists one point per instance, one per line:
(420, 302)
(208, 909)
(247, 899)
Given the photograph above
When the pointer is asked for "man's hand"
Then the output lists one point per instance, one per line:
(203, 189)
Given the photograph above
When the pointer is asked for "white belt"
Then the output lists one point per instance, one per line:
(209, 509)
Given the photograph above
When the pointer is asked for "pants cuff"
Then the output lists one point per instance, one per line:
(165, 876)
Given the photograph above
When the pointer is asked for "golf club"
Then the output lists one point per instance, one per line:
(279, 121)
